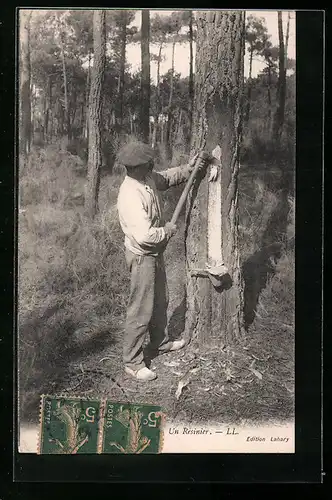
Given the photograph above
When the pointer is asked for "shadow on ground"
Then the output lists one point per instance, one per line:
(256, 271)
(53, 369)
(260, 266)
(176, 323)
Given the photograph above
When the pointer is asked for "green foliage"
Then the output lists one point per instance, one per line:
(258, 146)
(256, 34)
(74, 30)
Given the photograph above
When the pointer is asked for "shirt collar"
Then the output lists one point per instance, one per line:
(144, 182)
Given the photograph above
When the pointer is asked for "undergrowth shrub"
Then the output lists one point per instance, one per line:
(48, 176)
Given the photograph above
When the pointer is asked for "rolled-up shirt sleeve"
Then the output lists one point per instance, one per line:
(171, 177)
(136, 223)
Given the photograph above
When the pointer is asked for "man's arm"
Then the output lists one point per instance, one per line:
(177, 175)
(137, 225)
(172, 176)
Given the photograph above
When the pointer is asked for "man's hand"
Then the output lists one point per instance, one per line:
(170, 229)
(203, 158)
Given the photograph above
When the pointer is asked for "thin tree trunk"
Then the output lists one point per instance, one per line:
(123, 41)
(64, 74)
(33, 108)
(73, 109)
(88, 79)
(156, 118)
(191, 75)
(131, 122)
(47, 107)
(52, 112)
(145, 82)
(170, 100)
(286, 43)
(212, 208)
(281, 92)
(286, 53)
(82, 120)
(178, 127)
(95, 115)
(179, 141)
(269, 100)
(170, 108)
(162, 126)
(249, 85)
(44, 121)
(25, 83)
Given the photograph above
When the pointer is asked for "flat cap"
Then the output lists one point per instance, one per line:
(135, 153)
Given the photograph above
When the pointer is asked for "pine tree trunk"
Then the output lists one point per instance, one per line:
(64, 75)
(170, 108)
(51, 127)
(131, 122)
(249, 85)
(25, 83)
(145, 82)
(123, 43)
(95, 113)
(286, 43)
(88, 79)
(47, 107)
(158, 103)
(269, 100)
(286, 53)
(33, 108)
(281, 92)
(212, 208)
(191, 76)
(82, 120)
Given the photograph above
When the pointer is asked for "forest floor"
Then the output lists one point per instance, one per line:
(73, 286)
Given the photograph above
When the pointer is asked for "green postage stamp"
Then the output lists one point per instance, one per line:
(78, 425)
(131, 428)
(69, 425)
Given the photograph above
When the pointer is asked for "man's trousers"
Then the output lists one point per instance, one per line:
(146, 309)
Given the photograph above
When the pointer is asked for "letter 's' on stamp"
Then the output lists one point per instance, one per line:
(69, 426)
(130, 428)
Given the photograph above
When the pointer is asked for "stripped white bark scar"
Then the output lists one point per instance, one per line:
(214, 230)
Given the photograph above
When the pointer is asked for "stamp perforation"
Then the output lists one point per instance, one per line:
(130, 431)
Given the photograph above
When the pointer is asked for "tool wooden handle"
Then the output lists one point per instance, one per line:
(186, 190)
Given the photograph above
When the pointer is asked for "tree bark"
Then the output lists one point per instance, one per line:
(286, 43)
(64, 73)
(145, 82)
(32, 113)
(286, 52)
(249, 85)
(47, 108)
(269, 100)
(156, 118)
(281, 90)
(88, 79)
(191, 76)
(216, 316)
(25, 83)
(95, 113)
(170, 108)
(123, 43)
(51, 127)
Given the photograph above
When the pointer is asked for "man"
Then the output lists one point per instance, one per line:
(146, 237)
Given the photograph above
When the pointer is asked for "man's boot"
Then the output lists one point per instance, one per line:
(143, 374)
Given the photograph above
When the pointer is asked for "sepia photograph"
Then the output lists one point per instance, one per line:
(156, 231)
